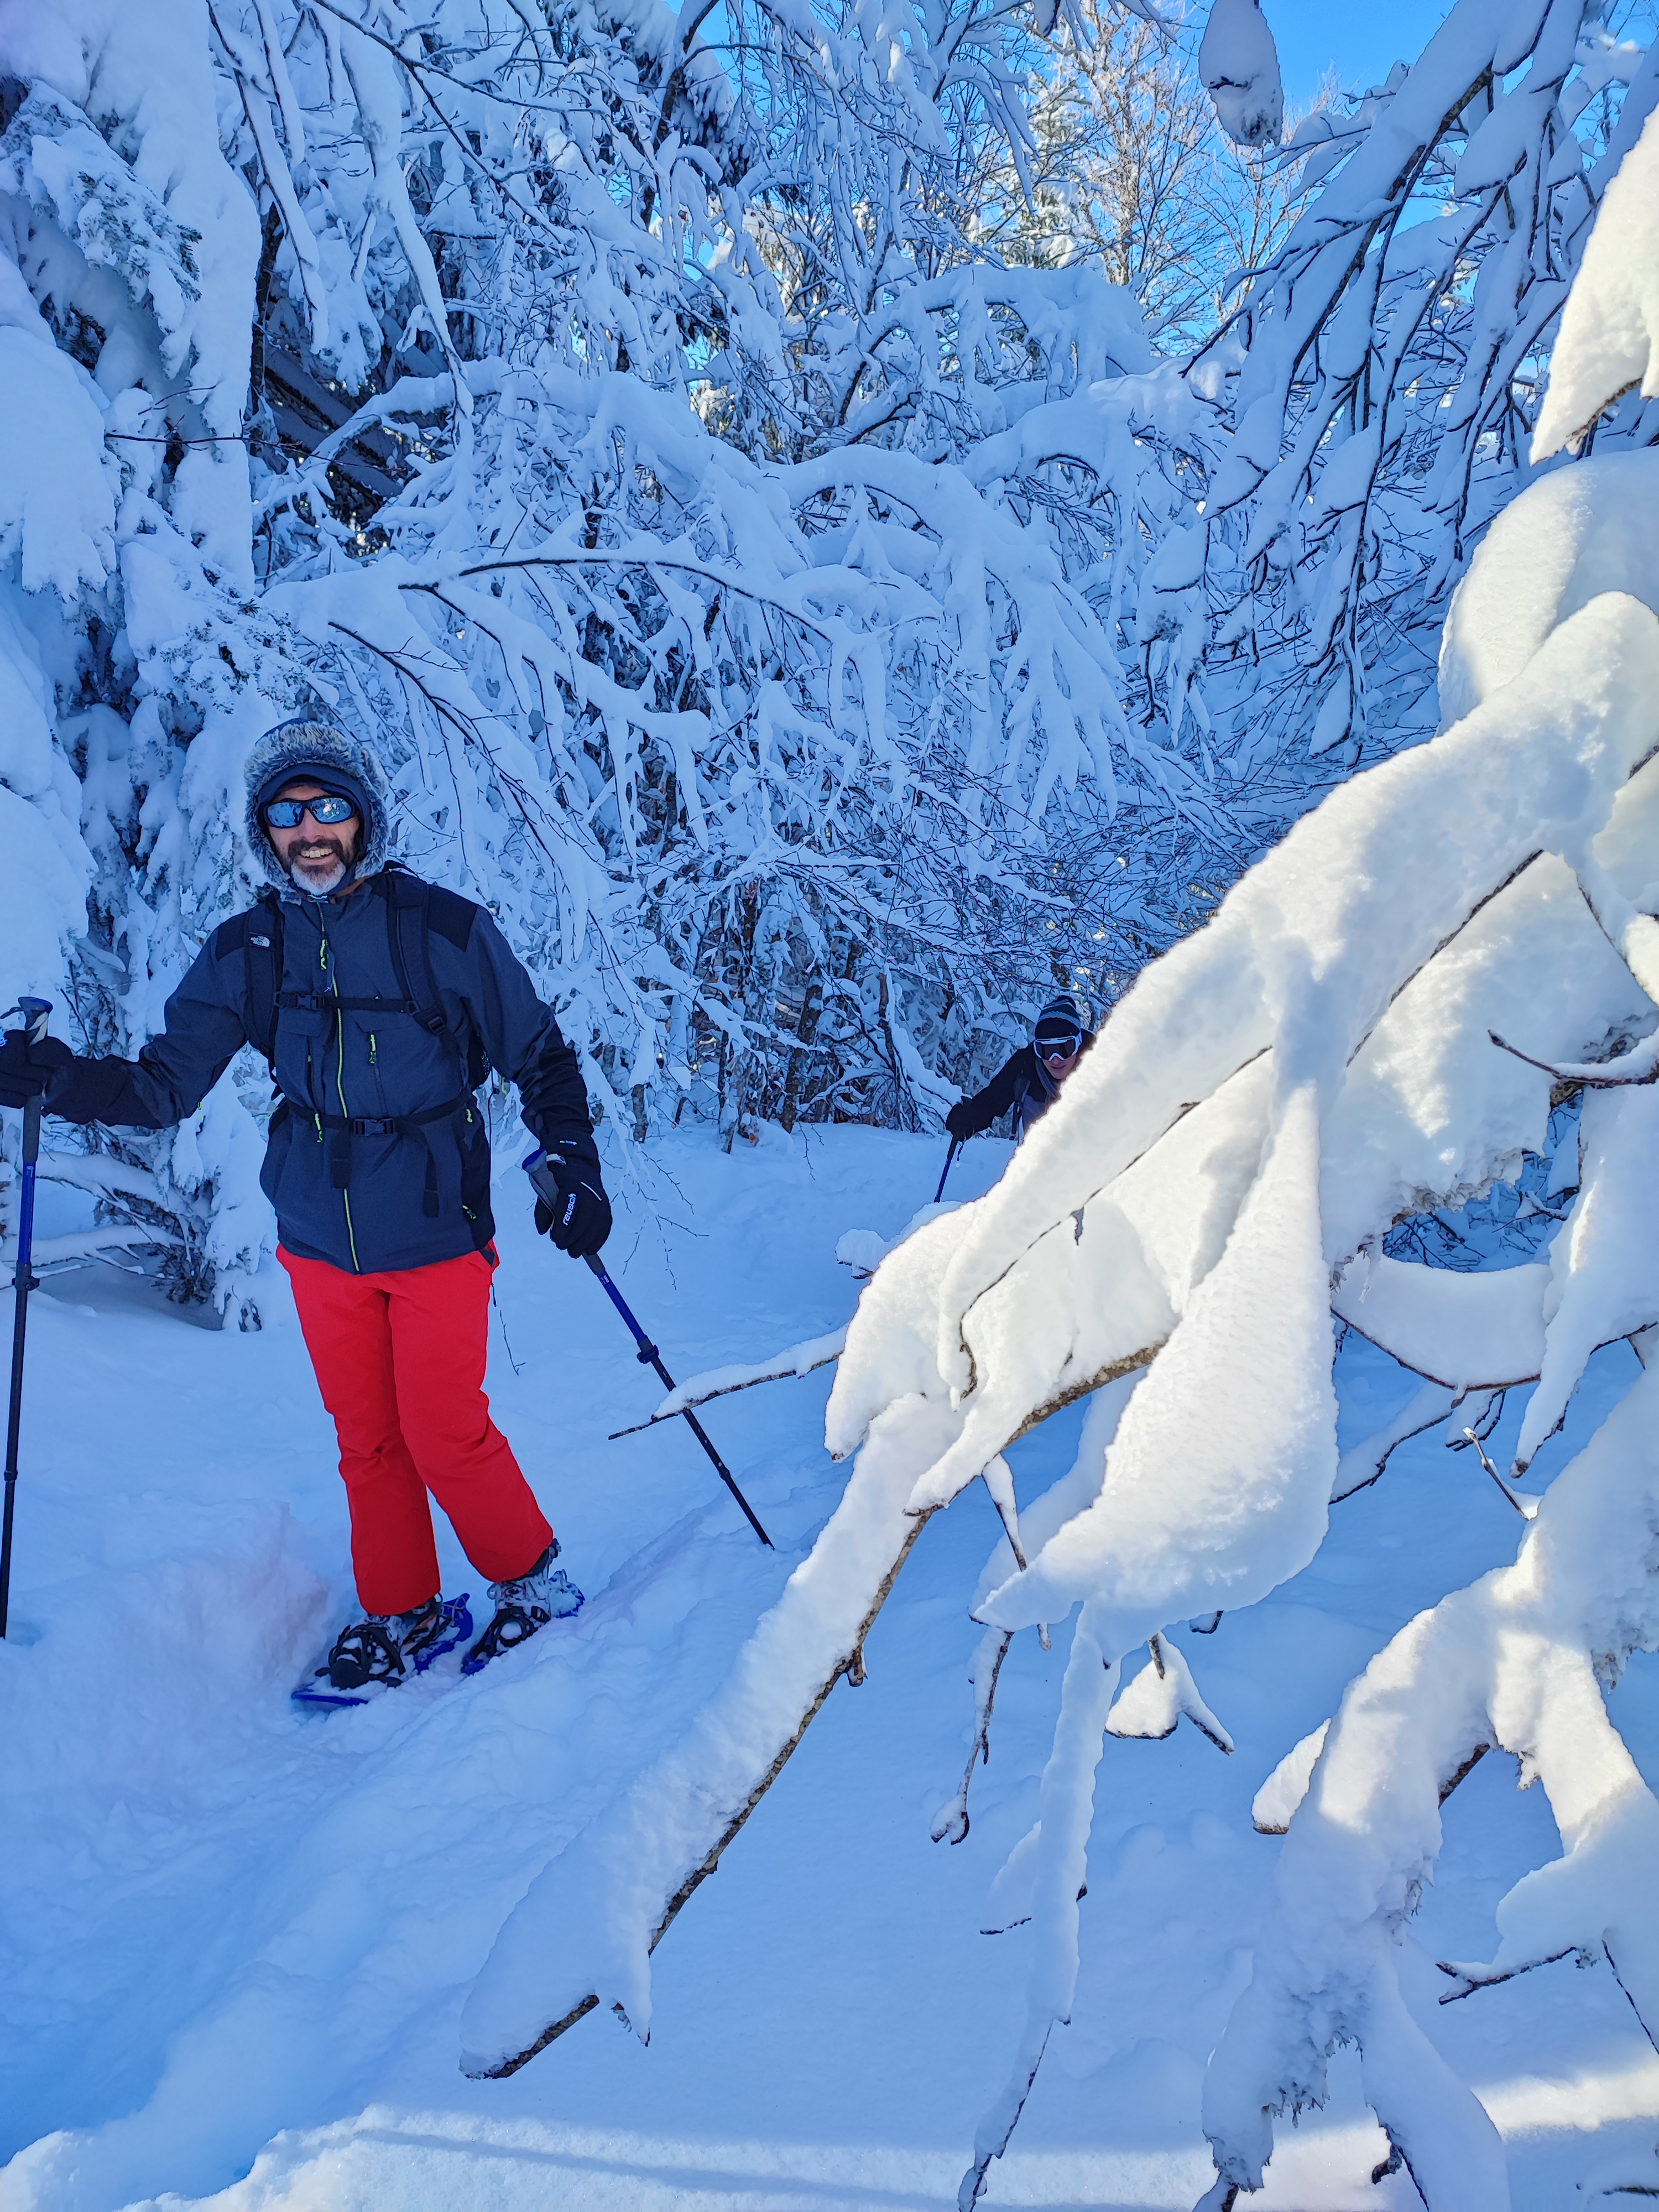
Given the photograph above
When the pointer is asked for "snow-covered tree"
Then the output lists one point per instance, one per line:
(127, 257)
(1272, 527)
(1122, 165)
(813, 637)
(1373, 1026)
(523, 468)
(745, 709)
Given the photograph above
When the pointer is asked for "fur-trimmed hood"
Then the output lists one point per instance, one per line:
(336, 761)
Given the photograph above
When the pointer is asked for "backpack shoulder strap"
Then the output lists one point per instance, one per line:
(257, 934)
(1025, 1086)
(231, 936)
(414, 909)
(408, 921)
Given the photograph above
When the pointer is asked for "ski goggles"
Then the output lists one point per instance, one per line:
(289, 813)
(1060, 1047)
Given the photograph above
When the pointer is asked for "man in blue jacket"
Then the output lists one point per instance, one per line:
(381, 1002)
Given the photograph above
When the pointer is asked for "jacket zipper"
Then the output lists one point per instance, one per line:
(339, 1081)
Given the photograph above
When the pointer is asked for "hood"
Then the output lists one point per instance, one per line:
(336, 761)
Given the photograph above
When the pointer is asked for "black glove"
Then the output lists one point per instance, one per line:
(28, 1070)
(571, 1206)
(959, 1121)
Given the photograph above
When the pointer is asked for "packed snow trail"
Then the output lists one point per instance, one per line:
(235, 1937)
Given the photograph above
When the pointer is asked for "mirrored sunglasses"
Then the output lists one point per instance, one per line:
(1060, 1047)
(288, 813)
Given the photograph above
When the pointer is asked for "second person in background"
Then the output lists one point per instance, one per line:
(1029, 1081)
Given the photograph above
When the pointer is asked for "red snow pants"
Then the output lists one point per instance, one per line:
(400, 1362)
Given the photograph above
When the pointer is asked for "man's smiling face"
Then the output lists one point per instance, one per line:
(316, 854)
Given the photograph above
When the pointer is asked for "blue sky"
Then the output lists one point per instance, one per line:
(1361, 39)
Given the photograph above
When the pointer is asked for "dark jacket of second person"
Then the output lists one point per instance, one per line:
(1023, 1083)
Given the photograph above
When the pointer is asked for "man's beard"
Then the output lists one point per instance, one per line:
(318, 881)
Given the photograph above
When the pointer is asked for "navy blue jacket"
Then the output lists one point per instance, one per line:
(362, 1065)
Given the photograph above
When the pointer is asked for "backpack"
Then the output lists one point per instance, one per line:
(415, 908)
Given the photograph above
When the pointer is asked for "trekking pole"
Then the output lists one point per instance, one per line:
(648, 1355)
(35, 1013)
(950, 1159)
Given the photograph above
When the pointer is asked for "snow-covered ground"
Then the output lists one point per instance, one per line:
(237, 1940)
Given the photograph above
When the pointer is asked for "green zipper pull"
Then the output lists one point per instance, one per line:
(371, 1049)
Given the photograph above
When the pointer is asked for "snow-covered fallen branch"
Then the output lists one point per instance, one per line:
(583, 1934)
(1258, 1112)
(803, 1358)
(1362, 1463)
(1640, 1066)
(1463, 1332)
(86, 1243)
(863, 1250)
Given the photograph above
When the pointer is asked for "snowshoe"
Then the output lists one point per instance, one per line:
(377, 1653)
(545, 1593)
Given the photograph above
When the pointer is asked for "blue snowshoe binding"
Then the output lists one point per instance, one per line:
(545, 1593)
(377, 1653)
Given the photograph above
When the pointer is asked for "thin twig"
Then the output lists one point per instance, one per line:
(1580, 1072)
(1514, 1500)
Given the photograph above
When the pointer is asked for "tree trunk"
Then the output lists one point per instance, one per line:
(805, 1029)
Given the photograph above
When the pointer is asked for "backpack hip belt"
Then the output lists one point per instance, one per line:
(343, 1127)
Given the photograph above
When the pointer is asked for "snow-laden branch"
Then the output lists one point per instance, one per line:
(720, 1382)
(635, 1867)
(1517, 1661)
(1606, 345)
(1179, 1211)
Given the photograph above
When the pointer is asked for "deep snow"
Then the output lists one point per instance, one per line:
(236, 1937)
